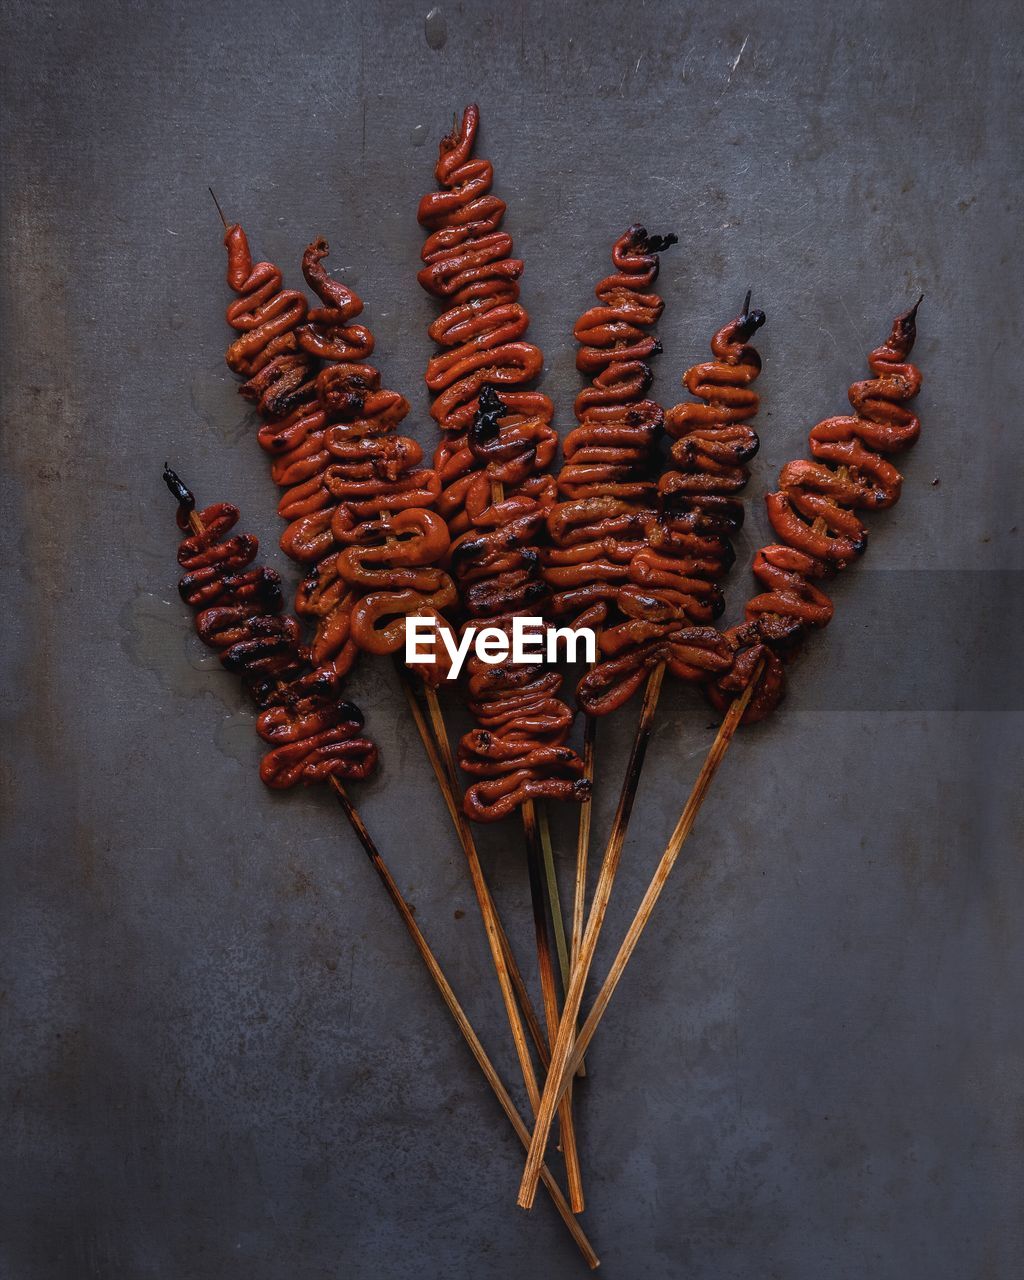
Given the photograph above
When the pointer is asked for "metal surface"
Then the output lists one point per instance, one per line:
(221, 1055)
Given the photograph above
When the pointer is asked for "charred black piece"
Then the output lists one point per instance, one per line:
(749, 321)
(487, 420)
(646, 243)
(186, 499)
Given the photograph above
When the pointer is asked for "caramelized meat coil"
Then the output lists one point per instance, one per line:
(314, 738)
(355, 495)
(814, 513)
(238, 604)
(608, 478)
(495, 493)
(610, 453)
(713, 441)
(469, 267)
(314, 735)
(670, 592)
(518, 753)
(267, 353)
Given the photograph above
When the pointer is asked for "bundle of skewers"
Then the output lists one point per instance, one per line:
(616, 540)
(371, 526)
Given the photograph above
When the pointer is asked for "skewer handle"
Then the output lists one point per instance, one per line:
(562, 1051)
(463, 1023)
(579, 902)
(566, 1125)
(683, 827)
(450, 796)
(554, 898)
(488, 911)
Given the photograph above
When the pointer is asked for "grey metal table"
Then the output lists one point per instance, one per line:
(221, 1055)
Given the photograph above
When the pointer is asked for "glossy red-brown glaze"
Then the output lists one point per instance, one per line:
(312, 732)
(608, 479)
(356, 499)
(814, 513)
(670, 594)
(492, 463)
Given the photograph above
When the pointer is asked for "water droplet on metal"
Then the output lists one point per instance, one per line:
(152, 627)
(158, 635)
(235, 736)
(200, 657)
(419, 135)
(435, 28)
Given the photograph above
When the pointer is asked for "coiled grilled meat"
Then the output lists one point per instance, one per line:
(814, 514)
(313, 733)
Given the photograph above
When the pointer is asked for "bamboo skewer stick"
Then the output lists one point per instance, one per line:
(500, 957)
(567, 1128)
(501, 950)
(554, 898)
(562, 1050)
(497, 496)
(579, 902)
(549, 996)
(448, 995)
(544, 963)
(445, 785)
(488, 911)
(555, 902)
(684, 826)
(495, 934)
(463, 1023)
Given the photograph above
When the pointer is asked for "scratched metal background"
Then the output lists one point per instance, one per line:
(221, 1055)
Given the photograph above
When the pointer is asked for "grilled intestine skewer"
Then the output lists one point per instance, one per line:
(518, 754)
(813, 513)
(497, 443)
(313, 733)
(672, 595)
(317, 423)
(668, 593)
(524, 713)
(607, 482)
(239, 615)
(355, 498)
